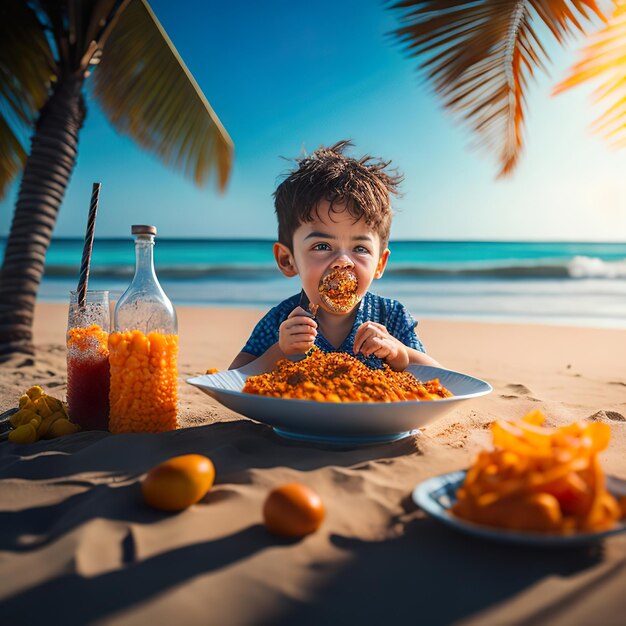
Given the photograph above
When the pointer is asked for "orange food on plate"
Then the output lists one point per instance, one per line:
(340, 377)
(178, 482)
(293, 510)
(540, 480)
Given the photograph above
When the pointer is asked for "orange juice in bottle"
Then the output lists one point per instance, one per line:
(143, 350)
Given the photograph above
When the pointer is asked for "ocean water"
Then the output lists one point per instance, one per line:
(559, 283)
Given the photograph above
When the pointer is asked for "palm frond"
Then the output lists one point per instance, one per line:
(148, 93)
(26, 70)
(12, 156)
(479, 56)
(604, 59)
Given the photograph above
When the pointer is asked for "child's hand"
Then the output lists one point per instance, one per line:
(296, 335)
(372, 338)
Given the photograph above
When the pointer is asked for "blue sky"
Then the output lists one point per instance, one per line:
(286, 76)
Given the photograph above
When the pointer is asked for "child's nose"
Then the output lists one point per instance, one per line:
(343, 261)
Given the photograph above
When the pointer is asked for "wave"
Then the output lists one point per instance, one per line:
(593, 267)
(171, 271)
(578, 267)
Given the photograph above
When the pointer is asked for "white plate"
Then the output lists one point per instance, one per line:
(437, 495)
(341, 423)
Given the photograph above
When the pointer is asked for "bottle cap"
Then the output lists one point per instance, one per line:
(143, 229)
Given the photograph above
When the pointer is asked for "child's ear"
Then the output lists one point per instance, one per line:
(284, 260)
(382, 263)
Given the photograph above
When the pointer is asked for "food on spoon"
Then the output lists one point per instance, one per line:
(293, 510)
(540, 480)
(338, 290)
(340, 377)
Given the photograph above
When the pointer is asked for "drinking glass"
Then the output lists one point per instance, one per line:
(88, 329)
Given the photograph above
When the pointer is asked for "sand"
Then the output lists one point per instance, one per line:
(78, 546)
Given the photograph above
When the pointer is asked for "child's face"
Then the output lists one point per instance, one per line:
(329, 242)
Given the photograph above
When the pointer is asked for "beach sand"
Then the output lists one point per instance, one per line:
(78, 545)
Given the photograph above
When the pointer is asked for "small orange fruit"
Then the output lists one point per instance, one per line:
(178, 482)
(293, 510)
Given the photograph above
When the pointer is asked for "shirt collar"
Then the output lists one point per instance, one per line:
(348, 343)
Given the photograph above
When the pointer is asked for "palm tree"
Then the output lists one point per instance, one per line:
(481, 54)
(48, 48)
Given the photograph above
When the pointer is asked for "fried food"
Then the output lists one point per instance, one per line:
(540, 480)
(40, 416)
(339, 377)
(338, 290)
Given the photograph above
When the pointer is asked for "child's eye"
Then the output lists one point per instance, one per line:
(361, 250)
(321, 246)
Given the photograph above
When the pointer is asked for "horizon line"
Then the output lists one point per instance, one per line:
(394, 240)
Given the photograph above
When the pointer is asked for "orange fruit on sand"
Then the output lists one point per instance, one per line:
(178, 482)
(293, 510)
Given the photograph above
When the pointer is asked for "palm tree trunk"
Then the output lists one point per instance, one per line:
(46, 175)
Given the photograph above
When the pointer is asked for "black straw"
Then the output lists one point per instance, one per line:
(91, 227)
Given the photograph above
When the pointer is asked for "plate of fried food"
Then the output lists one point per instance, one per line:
(334, 398)
(538, 486)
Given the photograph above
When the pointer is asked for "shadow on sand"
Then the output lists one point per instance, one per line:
(105, 470)
(74, 599)
(429, 575)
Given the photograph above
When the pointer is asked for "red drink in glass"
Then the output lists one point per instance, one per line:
(88, 390)
(88, 360)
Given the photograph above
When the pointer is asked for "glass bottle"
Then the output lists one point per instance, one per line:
(144, 349)
(88, 360)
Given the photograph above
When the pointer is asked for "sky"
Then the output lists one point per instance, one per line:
(287, 77)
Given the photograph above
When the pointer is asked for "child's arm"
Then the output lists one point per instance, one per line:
(243, 358)
(296, 335)
(420, 358)
(263, 363)
(374, 338)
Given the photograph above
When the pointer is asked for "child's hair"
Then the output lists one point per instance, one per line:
(327, 174)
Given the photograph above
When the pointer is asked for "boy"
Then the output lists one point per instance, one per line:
(334, 218)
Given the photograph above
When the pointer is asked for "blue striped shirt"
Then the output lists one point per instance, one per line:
(390, 313)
